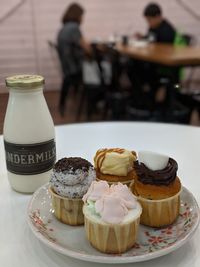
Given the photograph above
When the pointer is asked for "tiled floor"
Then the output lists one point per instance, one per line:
(70, 116)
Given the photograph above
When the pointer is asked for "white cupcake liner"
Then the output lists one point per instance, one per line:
(159, 213)
(66, 210)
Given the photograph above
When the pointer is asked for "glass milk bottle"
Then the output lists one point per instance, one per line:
(29, 136)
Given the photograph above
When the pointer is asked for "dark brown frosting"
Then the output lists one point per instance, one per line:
(158, 177)
(72, 164)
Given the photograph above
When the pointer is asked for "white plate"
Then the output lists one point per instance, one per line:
(71, 240)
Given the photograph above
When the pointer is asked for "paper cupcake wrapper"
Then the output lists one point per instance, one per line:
(111, 238)
(66, 210)
(159, 213)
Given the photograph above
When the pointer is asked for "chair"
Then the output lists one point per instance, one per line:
(187, 95)
(92, 89)
(116, 98)
(67, 81)
(173, 109)
(94, 85)
(179, 110)
(190, 41)
(55, 56)
(141, 102)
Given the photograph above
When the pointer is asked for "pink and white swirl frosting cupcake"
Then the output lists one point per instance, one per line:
(112, 214)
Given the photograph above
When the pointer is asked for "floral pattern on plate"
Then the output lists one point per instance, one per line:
(151, 242)
(41, 226)
(157, 239)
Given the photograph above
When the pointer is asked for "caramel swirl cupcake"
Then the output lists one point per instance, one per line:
(157, 188)
(115, 165)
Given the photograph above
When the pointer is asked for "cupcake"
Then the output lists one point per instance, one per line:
(112, 215)
(157, 188)
(115, 165)
(70, 180)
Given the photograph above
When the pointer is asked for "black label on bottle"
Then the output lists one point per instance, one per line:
(30, 159)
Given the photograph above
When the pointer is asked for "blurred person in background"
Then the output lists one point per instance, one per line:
(144, 74)
(71, 49)
(160, 29)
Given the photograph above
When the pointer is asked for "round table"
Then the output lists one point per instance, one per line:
(20, 248)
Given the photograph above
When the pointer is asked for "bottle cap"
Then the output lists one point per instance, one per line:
(24, 81)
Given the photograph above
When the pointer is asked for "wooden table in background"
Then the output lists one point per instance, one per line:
(168, 56)
(164, 54)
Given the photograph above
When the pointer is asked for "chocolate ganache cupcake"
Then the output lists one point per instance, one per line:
(70, 180)
(157, 188)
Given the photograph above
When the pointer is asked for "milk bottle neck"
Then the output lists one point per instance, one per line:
(25, 91)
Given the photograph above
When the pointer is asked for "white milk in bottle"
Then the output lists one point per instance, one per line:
(29, 136)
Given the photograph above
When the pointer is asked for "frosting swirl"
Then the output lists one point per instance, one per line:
(158, 177)
(114, 161)
(111, 203)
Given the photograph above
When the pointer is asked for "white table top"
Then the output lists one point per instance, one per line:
(20, 248)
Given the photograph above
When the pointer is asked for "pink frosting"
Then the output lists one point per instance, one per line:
(96, 191)
(125, 194)
(111, 209)
(112, 203)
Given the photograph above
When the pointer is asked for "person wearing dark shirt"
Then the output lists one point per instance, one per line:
(71, 48)
(164, 33)
(160, 30)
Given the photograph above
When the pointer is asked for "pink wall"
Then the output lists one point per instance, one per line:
(27, 25)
